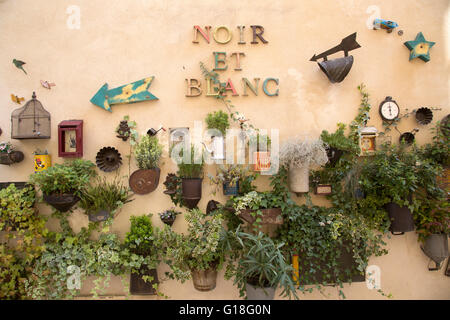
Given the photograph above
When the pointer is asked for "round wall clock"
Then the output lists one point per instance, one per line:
(389, 109)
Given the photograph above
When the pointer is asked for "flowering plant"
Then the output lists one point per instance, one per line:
(6, 147)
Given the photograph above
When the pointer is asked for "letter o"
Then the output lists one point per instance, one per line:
(216, 31)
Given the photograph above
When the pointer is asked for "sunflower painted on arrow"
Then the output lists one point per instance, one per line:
(130, 93)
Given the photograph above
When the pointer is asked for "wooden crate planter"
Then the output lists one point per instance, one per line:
(270, 216)
(140, 287)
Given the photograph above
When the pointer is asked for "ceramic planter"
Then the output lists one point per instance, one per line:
(101, 215)
(61, 202)
(42, 162)
(256, 293)
(436, 248)
(140, 287)
(144, 181)
(191, 191)
(231, 190)
(401, 218)
(261, 161)
(12, 157)
(299, 179)
(204, 280)
(270, 216)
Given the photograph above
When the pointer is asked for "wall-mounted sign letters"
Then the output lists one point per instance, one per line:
(223, 35)
(337, 69)
(130, 93)
(420, 48)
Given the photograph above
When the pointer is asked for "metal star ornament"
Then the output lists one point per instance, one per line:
(420, 48)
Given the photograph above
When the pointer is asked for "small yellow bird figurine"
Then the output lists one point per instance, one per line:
(16, 99)
(47, 85)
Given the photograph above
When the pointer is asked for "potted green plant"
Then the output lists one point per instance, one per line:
(337, 143)
(63, 184)
(297, 155)
(190, 171)
(218, 121)
(433, 227)
(148, 154)
(260, 267)
(197, 253)
(169, 216)
(8, 155)
(141, 240)
(261, 157)
(16, 207)
(103, 199)
(229, 177)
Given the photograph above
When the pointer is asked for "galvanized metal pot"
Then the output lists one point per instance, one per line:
(337, 69)
(401, 218)
(204, 280)
(299, 179)
(256, 293)
(436, 248)
(192, 191)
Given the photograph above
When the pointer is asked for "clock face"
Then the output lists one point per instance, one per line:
(389, 110)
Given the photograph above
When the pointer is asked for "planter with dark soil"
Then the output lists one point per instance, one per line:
(191, 191)
(140, 287)
(61, 202)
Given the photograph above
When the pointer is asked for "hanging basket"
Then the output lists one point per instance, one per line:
(145, 181)
(62, 202)
(204, 280)
(407, 138)
(436, 248)
(191, 191)
(12, 157)
(337, 69)
(401, 218)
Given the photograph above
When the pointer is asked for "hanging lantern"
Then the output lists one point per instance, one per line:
(31, 121)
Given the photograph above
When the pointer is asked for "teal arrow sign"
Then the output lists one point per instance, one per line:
(129, 93)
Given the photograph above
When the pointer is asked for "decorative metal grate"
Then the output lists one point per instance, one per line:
(31, 121)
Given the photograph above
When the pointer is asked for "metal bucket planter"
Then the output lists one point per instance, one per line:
(101, 215)
(337, 69)
(261, 161)
(12, 157)
(401, 218)
(257, 293)
(299, 179)
(192, 191)
(139, 286)
(270, 216)
(231, 190)
(62, 202)
(436, 248)
(144, 181)
(204, 280)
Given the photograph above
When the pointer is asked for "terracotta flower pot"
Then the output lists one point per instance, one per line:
(192, 191)
(140, 287)
(144, 181)
(256, 293)
(62, 202)
(261, 161)
(436, 248)
(204, 280)
(401, 218)
(299, 179)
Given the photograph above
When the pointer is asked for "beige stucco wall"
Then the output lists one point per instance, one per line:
(123, 41)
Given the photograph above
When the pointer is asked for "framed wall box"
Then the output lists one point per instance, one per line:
(367, 140)
(70, 139)
(323, 189)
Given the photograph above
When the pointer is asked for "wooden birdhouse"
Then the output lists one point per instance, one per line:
(70, 139)
(31, 121)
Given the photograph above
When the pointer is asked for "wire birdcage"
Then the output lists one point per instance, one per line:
(31, 121)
